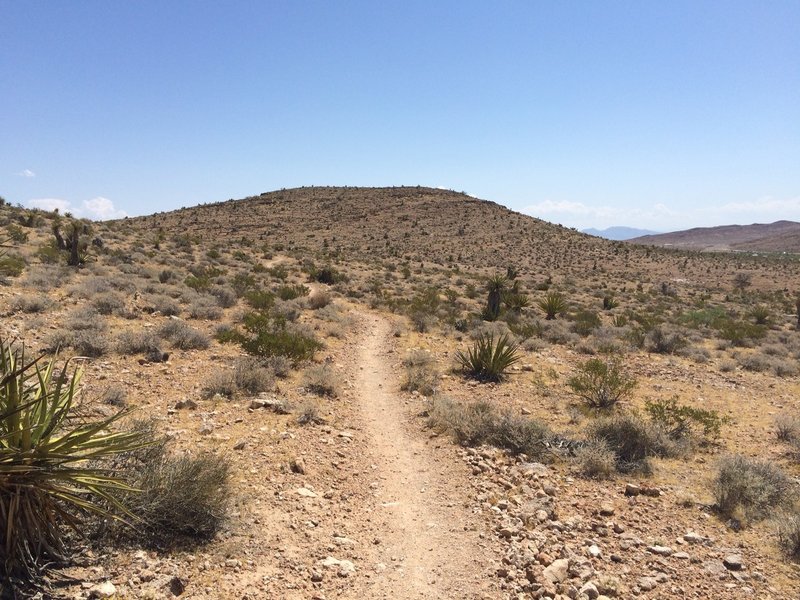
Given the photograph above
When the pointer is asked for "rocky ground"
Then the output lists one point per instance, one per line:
(371, 504)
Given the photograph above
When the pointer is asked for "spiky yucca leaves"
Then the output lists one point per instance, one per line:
(488, 360)
(552, 304)
(49, 474)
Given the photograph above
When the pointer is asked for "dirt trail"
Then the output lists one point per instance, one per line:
(427, 538)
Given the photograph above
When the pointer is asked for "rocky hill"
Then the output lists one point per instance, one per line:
(780, 236)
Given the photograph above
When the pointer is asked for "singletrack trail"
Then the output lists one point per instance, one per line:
(427, 538)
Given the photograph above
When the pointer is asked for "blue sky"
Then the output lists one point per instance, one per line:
(664, 115)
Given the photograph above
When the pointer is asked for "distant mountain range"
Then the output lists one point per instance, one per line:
(781, 236)
(619, 233)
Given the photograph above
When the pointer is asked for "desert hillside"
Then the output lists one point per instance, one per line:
(780, 236)
(399, 393)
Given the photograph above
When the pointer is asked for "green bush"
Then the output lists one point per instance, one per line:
(680, 420)
(421, 373)
(488, 360)
(601, 384)
(268, 336)
(748, 488)
(290, 292)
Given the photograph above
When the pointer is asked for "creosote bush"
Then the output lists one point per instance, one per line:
(749, 489)
(183, 336)
(321, 380)
(488, 359)
(601, 384)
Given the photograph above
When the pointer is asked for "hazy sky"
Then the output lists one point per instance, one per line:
(664, 115)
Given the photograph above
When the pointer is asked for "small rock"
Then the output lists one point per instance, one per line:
(205, 429)
(631, 489)
(693, 538)
(607, 509)
(590, 590)
(306, 493)
(681, 555)
(733, 562)
(103, 590)
(240, 445)
(298, 465)
(177, 586)
(594, 551)
(660, 550)
(316, 576)
(558, 571)
(647, 583)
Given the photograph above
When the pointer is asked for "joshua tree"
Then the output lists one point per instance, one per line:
(72, 243)
(495, 286)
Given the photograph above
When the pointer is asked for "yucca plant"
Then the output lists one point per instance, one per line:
(488, 360)
(552, 304)
(495, 287)
(51, 470)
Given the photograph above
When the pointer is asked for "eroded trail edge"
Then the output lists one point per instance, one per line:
(426, 537)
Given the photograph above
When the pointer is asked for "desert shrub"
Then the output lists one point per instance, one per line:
(682, 421)
(788, 533)
(748, 488)
(755, 362)
(225, 296)
(520, 435)
(178, 498)
(167, 276)
(206, 308)
(108, 303)
(479, 423)
(220, 382)
(321, 380)
(421, 373)
(760, 314)
(281, 366)
(488, 360)
(740, 333)
(84, 331)
(596, 460)
(787, 427)
(163, 304)
(136, 342)
(552, 305)
(11, 265)
(46, 277)
(183, 336)
(609, 302)
(29, 304)
(584, 322)
(114, 396)
(695, 354)
(327, 275)
(252, 376)
(266, 336)
(260, 299)
(319, 299)
(286, 310)
(660, 341)
(632, 439)
(601, 384)
(290, 292)
(308, 413)
(46, 481)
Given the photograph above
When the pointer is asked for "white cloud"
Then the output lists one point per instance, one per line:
(97, 209)
(26, 173)
(101, 209)
(50, 204)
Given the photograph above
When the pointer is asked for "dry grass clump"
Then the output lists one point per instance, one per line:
(108, 303)
(183, 336)
(787, 427)
(29, 304)
(308, 413)
(318, 299)
(632, 440)
(748, 489)
(205, 308)
(178, 498)
(421, 373)
(44, 278)
(85, 331)
(163, 305)
(479, 423)
(136, 342)
(321, 380)
(248, 376)
(788, 532)
(596, 460)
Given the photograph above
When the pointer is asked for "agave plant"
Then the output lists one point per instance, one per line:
(552, 304)
(50, 465)
(488, 360)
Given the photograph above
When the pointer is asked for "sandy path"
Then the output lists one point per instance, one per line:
(427, 538)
